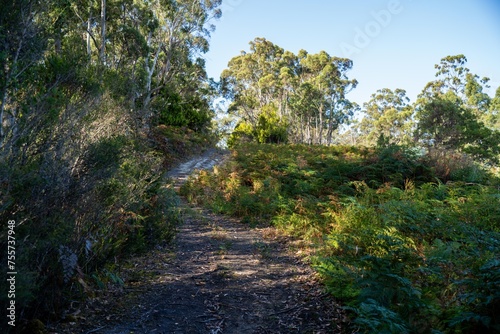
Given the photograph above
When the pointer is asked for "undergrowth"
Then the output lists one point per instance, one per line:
(79, 209)
(403, 251)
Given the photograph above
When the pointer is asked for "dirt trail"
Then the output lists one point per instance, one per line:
(206, 161)
(220, 276)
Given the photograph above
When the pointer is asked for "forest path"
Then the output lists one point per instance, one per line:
(219, 276)
(205, 161)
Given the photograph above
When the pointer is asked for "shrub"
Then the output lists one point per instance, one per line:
(449, 165)
(269, 128)
(79, 203)
(176, 110)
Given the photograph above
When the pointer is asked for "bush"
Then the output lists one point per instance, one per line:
(449, 165)
(176, 110)
(268, 129)
(79, 204)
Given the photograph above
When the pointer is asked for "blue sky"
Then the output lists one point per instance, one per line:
(393, 43)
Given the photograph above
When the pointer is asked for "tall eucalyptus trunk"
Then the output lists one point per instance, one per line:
(102, 55)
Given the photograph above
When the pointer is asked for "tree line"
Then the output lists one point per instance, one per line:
(282, 97)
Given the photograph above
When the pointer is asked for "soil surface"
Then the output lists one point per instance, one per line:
(219, 276)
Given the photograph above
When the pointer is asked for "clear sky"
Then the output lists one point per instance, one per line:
(393, 43)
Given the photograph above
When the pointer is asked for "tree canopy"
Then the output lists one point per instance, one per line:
(453, 112)
(307, 92)
(388, 117)
(280, 96)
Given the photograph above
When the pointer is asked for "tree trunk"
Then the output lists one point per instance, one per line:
(330, 125)
(13, 72)
(58, 44)
(149, 80)
(89, 26)
(308, 130)
(102, 55)
(320, 141)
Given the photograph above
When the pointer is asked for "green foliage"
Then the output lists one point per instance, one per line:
(269, 129)
(106, 153)
(405, 252)
(135, 205)
(242, 132)
(372, 317)
(492, 117)
(483, 291)
(177, 110)
(388, 117)
(454, 113)
(272, 89)
(118, 207)
(443, 124)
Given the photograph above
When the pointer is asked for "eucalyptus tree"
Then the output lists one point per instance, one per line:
(451, 73)
(252, 80)
(493, 117)
(387, 115)
(320, 95)
(451, 112)
(456, 83)
(142, 47)
(58, 55)
(307, 104)
(341, 109)
(181, 34)
(308, 91)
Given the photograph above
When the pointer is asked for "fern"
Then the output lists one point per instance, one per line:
(482, 298)
(371, 317)
(407, 252)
